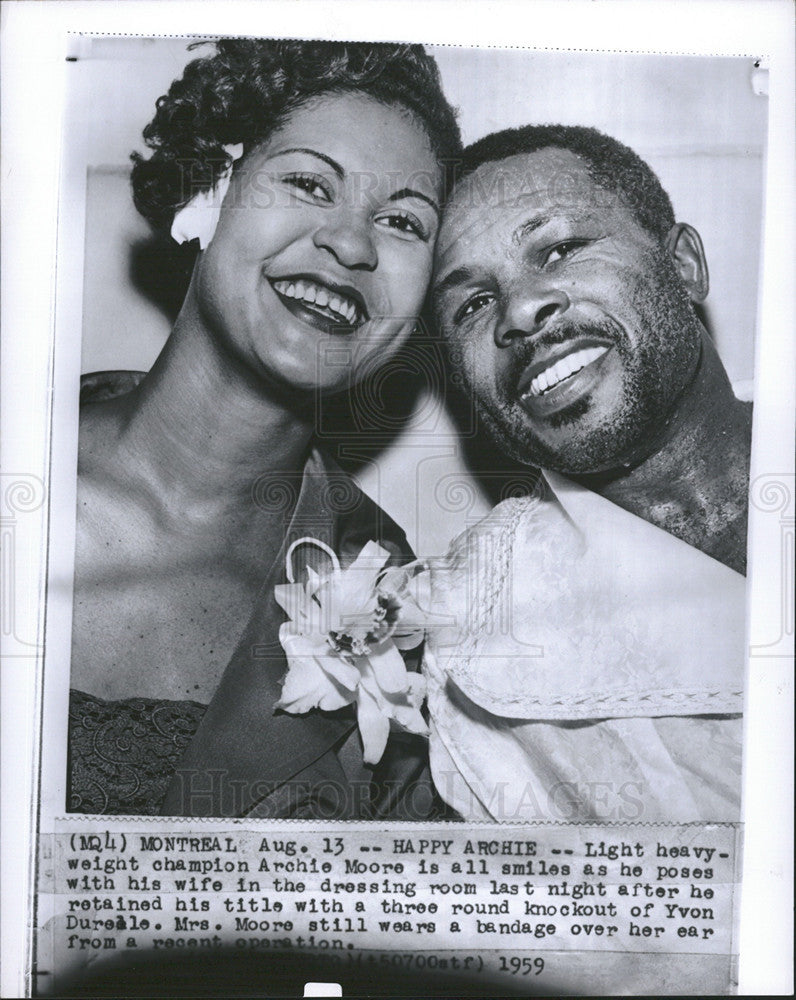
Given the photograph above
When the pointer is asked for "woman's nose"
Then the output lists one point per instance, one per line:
(528, 311)
(350, 241)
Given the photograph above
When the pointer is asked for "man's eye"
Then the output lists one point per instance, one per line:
(404, 223)
(563, 250)
(310, 184)
(472, 306)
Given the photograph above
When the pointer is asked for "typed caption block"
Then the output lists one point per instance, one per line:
(519, 901)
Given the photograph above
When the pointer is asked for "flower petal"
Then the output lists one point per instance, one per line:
(199, 218)
(334, 699)
(297, 643)
(417, 689)
(344, 673)
(372, 557)
(313, 581)
(410, 718)
(358, 605)
(308, 685)
(408, 640)
(373, 725)
(370, 684)
(357, 582)
(304, 685)
(388, 667)
(292, 599)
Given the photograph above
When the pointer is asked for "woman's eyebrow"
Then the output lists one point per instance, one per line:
(411, 193)
(314, 152)
(396, 196)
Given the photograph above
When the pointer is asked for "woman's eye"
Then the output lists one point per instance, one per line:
(404, 223)
(562, 250)
(472, 306)
(310, 185)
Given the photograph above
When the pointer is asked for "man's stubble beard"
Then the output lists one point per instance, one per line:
(657, 370)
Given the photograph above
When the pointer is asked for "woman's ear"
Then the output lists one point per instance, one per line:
(685, 246)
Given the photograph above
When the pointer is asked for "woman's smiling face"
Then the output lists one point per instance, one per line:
(326, 229)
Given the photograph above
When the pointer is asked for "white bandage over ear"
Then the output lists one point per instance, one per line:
(198, 219)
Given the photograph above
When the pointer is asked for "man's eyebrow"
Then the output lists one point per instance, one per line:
(412, 193)
(314, 152)
(458, 276)
(527, 227)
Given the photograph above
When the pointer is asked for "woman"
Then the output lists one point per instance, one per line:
(311, 173)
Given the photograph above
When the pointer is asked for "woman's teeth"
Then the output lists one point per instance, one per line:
(563, 368)
(337, 306)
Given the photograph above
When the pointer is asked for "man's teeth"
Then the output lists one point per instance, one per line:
(563, 368)
(316, 295)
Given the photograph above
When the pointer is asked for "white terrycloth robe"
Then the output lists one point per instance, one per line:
(584, 665)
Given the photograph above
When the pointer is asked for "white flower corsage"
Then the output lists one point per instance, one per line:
(198, 219)
(342, 644)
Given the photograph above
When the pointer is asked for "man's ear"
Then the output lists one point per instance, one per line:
(685, 246)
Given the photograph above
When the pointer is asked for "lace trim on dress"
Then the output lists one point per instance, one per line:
(123, 753)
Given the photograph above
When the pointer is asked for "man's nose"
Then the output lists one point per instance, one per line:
(527, 312)
(349, 239)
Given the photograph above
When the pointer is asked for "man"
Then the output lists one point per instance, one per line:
(566, 290)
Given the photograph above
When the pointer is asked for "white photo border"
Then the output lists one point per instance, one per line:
(34, 39)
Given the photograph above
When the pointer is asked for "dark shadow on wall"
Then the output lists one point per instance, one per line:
(703, 315)
(160, 270)
(357, 425)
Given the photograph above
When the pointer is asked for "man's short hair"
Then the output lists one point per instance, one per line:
(611, 165)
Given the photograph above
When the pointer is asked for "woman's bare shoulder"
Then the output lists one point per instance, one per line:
(102, 405)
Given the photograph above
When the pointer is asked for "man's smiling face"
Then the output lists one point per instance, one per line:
(566, 318)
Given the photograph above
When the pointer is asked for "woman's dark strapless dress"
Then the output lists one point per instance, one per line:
(124, 753)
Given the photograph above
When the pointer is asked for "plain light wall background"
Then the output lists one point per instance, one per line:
(696, 120)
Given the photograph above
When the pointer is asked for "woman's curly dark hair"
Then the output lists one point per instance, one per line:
(247, 89)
